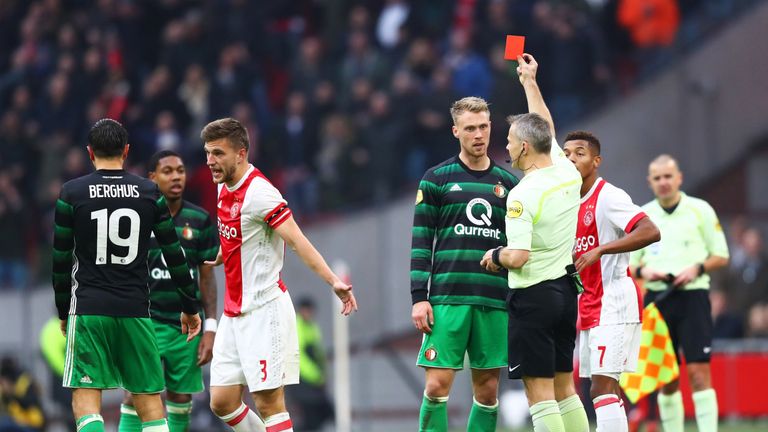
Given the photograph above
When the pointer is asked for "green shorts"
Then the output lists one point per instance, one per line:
(182, 374)
(106, 352)
(480, 331)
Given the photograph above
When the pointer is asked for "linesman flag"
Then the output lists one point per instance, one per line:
(657, 364)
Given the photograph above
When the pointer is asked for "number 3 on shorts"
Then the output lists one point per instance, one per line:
(600, 348)
(263, 364)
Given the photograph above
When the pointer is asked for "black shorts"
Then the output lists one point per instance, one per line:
(542, 329)
(689, 317)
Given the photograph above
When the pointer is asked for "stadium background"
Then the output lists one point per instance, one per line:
(346, 103)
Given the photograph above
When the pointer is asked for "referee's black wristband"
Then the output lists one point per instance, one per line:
(702, 270)
(638, 275)
(496, 256)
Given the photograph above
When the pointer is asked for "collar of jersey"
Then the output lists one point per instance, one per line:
(592, 190)
(242, 180)
(680, 204)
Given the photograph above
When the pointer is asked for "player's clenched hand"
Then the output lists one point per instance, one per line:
(588, 258)
(218, 261)
(205, 349)
(527, 67)
(63, 326)
(487, 262)
(422, 316)
(190, 325)
(344, 293)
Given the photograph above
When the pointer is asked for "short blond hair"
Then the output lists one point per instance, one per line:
(472, 104)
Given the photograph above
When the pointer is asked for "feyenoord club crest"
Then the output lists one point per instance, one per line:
(187, 232)
(499, 190)
(430, 354)
(234, 209)
(588, 217)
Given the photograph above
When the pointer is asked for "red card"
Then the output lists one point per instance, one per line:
(514, 48)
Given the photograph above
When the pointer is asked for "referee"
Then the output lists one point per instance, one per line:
(693, 244)
(542, 212)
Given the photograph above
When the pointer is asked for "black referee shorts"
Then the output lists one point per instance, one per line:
(689, 317)
(542, 329)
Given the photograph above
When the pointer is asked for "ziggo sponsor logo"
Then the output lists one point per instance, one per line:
(225, 231)
(584, 243)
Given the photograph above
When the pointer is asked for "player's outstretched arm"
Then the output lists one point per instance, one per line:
(298, 242)
(642, 234)
(526, 72)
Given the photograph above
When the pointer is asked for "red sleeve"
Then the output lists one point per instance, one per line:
(633, 222)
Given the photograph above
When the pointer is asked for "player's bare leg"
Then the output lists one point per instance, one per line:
(86, 406)
(227, 404)
(485, 406)
(434, 412)
(609, 409)
(271, 406)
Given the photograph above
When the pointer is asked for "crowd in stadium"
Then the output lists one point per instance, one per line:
(345, 102)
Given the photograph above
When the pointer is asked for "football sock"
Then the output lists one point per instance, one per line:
(610, 414)
(159, 425)
(244, 420)
(482, 417)
(280, 422)
(129, 419)
(178, 416)
(573, 414)
(433, 416)
(671, 411)
(546, 417)
(90, 423)
(705, 404)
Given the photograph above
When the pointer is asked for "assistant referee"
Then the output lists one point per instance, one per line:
(542, 212)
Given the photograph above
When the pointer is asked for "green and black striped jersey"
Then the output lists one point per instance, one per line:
(200, 242)
(459, 215)
(103, 223)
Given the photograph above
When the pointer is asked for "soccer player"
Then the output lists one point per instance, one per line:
(104, 221)
(256, 345)
(610, 226)
(200, 241)
(692, 245)
(541, 226)
(459, 214)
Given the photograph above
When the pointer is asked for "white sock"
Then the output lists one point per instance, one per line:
(280, 422)
(705, 404)
(244, 420)
(610, 414)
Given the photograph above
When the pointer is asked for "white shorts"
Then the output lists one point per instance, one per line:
(609, 350)
(259, 349)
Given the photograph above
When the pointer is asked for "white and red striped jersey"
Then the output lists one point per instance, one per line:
(248, 214)
(610, 295)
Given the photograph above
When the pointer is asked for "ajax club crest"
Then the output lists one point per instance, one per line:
(589, 217)
(234, 210)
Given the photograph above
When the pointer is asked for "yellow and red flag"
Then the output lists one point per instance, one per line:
(657, 364)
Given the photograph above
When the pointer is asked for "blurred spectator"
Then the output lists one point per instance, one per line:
(20, 405)
(471, 75)
(392, 16)
(757, 320)
(313, 406)
(748, 281)
(13, 268)
(651, 23)
(194, 92)
(727, 324)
